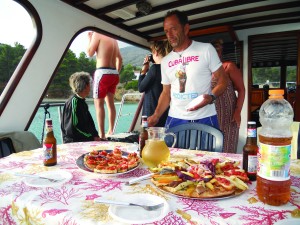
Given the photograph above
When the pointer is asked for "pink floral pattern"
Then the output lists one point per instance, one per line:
(71, 203)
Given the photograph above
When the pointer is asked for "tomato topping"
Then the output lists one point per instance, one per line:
(91, 162)
(117, 151)
(102, 163)
(223, 180)
(214, 161)
(94, 153)
(196, 175)
(99, 167)
(228, 166)
(132, 155)
(110, 155)
(104, 153)
(235, 173)
(111, 161)
(99, 159)
(131, 162)
(123, 166)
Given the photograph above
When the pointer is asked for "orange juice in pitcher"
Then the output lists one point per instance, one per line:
(156, 150)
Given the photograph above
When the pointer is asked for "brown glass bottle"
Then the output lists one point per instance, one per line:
(250, 151)
(49, 145)
(143, 134)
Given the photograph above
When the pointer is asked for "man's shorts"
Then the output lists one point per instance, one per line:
(105, 81)
(211, 121)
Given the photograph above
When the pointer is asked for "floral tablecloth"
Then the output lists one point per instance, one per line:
(72, 203)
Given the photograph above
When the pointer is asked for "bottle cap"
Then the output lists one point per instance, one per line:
(276, 92)
(49, 122)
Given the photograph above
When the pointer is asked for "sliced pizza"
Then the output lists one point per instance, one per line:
(110, 162)
(207, 179)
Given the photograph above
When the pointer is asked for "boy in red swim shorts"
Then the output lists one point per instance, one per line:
(106, 77)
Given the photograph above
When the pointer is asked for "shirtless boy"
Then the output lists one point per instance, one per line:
(106, 77)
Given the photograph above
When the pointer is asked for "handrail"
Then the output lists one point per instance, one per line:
(46, 106)
(133, 123)
(121, 107)
(137, 113)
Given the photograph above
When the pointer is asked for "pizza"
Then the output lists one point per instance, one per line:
(110, 161)
(207, 179)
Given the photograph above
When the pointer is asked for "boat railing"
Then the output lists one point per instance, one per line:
(126, 97)
(46, 106)
(137, 112)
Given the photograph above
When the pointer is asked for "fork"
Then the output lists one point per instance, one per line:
(135, 180)
(37, 176)
(146, 207)
(147, 176)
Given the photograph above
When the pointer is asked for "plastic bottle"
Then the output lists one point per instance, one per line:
(143, 134)
(250, 151)
(49, 145)
(273, 172)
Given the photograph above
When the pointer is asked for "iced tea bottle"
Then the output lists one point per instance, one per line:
(273, 172)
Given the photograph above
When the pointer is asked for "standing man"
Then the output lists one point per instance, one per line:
(106, 77)
(186, 75)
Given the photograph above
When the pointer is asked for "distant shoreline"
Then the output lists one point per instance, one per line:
(120, 92)
(131, 99)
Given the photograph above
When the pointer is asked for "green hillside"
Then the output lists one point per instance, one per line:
(133, 55)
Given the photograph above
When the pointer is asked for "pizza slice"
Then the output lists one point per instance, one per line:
(239, 173)
(197, 190)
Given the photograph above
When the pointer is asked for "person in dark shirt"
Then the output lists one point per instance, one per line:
(77, 123)
(150, 80)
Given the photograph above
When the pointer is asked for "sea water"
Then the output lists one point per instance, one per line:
(127, 114)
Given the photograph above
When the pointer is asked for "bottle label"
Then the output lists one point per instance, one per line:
(49, 129)
(144, 123)
(251, 132)
(274, 162)
(48, 151)
(252, 163)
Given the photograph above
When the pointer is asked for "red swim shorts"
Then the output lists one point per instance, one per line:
(105, 81)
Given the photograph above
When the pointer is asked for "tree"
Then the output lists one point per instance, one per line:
(85, 64)
(9, 60)
(131, 85)
(60, 84)
(127, 74)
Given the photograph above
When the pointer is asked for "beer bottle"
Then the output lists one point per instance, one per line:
(49, 145)
(143, 134)
(250, 151)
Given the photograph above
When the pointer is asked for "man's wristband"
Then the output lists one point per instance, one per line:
(213, 97)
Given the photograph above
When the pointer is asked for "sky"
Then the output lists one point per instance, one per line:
(13, 15)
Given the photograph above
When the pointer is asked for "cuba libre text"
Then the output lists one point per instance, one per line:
(183, 60)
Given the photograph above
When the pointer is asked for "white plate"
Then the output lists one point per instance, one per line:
(194, 102)
(62, 175)
(138, 215)
(295, 221)
(130, 148)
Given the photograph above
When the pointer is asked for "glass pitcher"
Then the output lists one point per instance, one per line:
(156, 150)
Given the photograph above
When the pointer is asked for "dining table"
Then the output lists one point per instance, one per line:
(25, 200)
